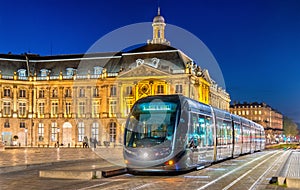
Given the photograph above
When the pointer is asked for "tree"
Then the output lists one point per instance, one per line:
(290, 128)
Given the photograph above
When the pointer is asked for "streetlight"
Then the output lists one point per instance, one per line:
(26, 130)
(58, 130)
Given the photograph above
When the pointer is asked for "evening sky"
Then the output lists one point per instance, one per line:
(255, 42)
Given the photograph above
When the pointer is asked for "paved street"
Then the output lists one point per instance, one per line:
(249, 171)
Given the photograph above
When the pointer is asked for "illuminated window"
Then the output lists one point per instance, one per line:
(41, 131)
(178, 89)
(95, 108)
(95, 131)
(81, 92)
(22, 93)
(112, 108)
(259, 112)
(54, 93)
(6, 108)
(70, 71)
(129, 91)
(129, 104)
(98, 70)
(41, 108)
(6, 92)
(53, 131)
(6, 125)
(54, 108)
(96, 92)
(68, 108)
(22, 125)
(44, 72)
(160, 89)
(22, 72)
(80, 131)
(113, 91)
(22, 109)
(112, 131)
(81, 109)
(41, 93)
(68, 92)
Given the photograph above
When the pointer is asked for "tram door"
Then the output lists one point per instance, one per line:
(201, 139)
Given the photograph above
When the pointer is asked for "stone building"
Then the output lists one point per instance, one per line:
(66, 99)
(263, 114)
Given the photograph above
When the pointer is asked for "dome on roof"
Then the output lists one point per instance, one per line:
(159, 19)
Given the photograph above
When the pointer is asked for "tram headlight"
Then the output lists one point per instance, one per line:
(169, 162)
(145, 155)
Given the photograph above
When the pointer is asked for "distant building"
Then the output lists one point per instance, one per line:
(263, 114)
(67, 99)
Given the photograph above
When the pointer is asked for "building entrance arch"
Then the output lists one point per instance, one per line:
(67, 134)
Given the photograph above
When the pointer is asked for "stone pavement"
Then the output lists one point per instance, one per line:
(14, 159)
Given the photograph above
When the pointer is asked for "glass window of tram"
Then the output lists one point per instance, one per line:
(201, 131)
(151, 124)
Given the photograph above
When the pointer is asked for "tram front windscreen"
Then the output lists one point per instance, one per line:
(151, 124)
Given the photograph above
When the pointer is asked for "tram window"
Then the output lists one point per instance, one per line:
(209, 126)
(228, 129)
(201, 131)
(220, 132)
(224, 132)
(237, 132)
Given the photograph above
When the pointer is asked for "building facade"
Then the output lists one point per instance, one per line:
(66, 99)
(263, 114)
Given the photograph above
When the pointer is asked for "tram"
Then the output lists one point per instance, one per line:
(176, 133)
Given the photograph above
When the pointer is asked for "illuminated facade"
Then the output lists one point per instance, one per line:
(263, 114)
(62, 99)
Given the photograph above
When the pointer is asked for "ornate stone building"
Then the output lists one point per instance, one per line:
(45, 100)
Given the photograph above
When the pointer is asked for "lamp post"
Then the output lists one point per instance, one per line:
(26, 130)
(58, 130)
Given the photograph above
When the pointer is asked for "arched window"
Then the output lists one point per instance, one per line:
(112, 131)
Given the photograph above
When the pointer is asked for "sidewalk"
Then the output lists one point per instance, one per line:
(14, 159)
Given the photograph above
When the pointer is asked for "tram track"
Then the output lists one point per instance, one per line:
(247, 172)
(235, 170)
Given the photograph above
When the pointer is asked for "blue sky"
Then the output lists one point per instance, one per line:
(255, 42)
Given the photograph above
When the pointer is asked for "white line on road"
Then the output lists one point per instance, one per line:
(232, 171)
(270, 168)
(249, 171)
(101, 184)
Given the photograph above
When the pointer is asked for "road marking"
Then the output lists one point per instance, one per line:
(197, 177)
(216, 169)
(232, 171)
(98, 185)
(101, 184)
(270, 168)
(145, 185)
(249, 171)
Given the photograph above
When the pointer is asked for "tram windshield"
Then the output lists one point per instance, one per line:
(151, 124)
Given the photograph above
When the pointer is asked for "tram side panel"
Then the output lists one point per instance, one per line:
(224, 134)
(245, 136)
(252, 137)
(237, 136)
(201, 135)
